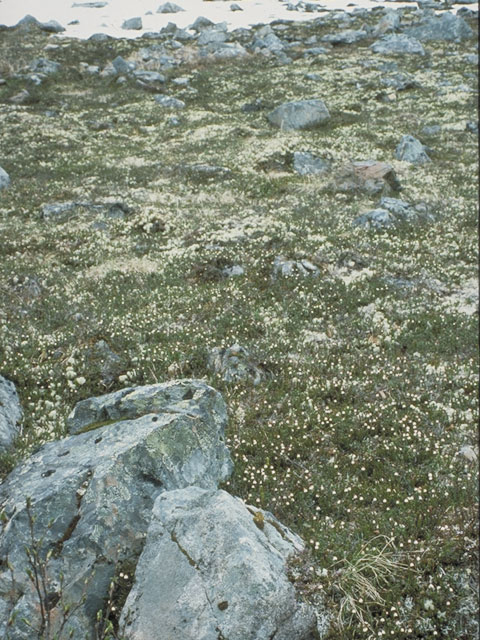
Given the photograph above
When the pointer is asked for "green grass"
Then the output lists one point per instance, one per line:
(353, 439)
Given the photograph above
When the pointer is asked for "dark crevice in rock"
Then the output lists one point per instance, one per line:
(72, 525)
(185, 553)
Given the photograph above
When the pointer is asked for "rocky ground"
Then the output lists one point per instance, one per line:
(290, 214)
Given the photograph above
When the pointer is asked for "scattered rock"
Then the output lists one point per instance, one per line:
(235, 7)
(234, 364)
(45, 66)
(201, 23)
(345, 37)
(392, 212)
(4, 179)
(390, 21)
(52, 26)
(10, 414)
(283, 268)
(132, 23)
(446, 27)
(307, 164)
(368, 176)
(91, 497)
(302, 114)
(149, 79)
(28, 23)
(411, 150)
(211, 36)
(397, 44)
(169, 7)
(208, 561)
(122, 66)
(168, 102)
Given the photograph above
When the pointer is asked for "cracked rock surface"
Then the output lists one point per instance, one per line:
(213, 567)
(91, 495)
(10, 414)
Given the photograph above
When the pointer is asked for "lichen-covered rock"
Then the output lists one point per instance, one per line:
(411, 150)
(169, 7)
(306, 164)
(44, 65)
(301, 114)
(212, 568)
(133, 23)
(349, 36)
(392, 212)
(447, 26)
(398, 44)
(91, 496)
(10, 414)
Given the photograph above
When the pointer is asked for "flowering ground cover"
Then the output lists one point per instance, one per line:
(360, 430)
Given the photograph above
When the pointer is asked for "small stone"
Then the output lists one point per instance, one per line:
(133, 23)
(122, 66)
(168, 102)
(411, 150)
(306, 163)
(302, 114)
(235, 7)
(398, 44)
(52, 26)
(169, 7)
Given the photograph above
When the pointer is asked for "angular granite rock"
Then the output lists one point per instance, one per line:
(213, 567)
(392, 212)
(301, 114)
(10, 414)
(91, 496)
(306, 164)
(447, 26)
(411, 150)
(397, 44)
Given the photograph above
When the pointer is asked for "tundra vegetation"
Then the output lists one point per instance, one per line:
(360, 430)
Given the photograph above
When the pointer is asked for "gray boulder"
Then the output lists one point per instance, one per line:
(213, 567)
(234, 364)
(10, 414)
(307, 164)
(133, 23)
(91, 495)
(211, 36)
(202, 23)
(122, 66)
(411, 150)
(302, 114)
(447, 27)
(4, 179)
(392, 212)
(169, 102)
(52, 26)
(169, 7)
(149, 79)
(43, 65)
(397, 44)
(349, 36)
